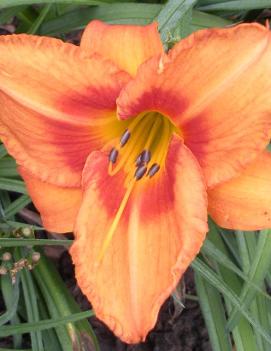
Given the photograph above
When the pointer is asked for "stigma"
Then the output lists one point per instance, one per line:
(142, 148)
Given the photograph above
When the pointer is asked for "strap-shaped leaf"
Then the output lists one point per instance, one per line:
(237, 5)
(172, 15)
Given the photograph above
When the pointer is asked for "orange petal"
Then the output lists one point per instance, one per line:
(58, 206)
(56, 105)
(244, 202)
(215, 86)
(126, 45)
(160, 232)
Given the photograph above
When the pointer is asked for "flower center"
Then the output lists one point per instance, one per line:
(142, 148)
(141, 152)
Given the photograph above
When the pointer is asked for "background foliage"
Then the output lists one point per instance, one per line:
(232, 272)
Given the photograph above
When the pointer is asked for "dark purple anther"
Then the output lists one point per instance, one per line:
(140, 172)
(143, 158)
(125, 137)
(139, 160)
(113, 155)
(154, 169)
(146, 156)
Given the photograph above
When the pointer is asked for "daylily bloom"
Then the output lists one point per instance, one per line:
(123, 144)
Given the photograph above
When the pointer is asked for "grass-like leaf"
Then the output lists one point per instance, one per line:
(172, 15)
(60, 302)
(8, 167)
(206, 272)
(132, 13)
(30, 299)
(44, 12)
(43, 325)
(207, 20)
(12, 185)
(236, 5)
(214, 314)
(16, 206)
(3, 151)
(11, 3)
(49, 336)
(11, 294)
(211, 250)
(1, 349)
(10, 242)
(6, 15)
(257, 274)
(10, 225)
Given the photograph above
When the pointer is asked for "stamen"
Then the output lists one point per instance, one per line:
(143, 158)
(136, 121)
(139, 160)
(125, 137)
(113, 155)
(154, 169)
(131, 147)
(146, 156)
(164, 144)
(115, 222)
(139, 140)
(140, 172)
(150, 132)
(154, 130)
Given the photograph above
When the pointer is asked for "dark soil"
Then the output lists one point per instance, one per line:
(174, 331)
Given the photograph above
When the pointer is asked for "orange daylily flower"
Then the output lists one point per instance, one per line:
(123, 144)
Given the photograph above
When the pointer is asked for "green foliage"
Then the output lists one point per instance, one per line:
(239, 284)
(235, 5)
(232, 270)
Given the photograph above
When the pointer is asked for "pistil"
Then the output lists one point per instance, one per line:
(115, 223)
(141, 153)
